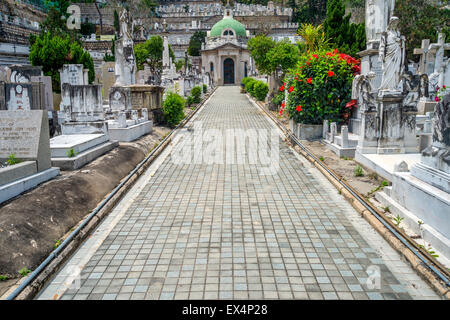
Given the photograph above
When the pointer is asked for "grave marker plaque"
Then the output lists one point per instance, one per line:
(26, 135)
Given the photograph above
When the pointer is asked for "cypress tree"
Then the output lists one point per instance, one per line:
(346, 36)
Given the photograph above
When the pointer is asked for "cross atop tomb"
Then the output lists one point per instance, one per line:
(424, 55)
(439, 49)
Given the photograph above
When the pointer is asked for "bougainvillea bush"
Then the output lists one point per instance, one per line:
(320, 87)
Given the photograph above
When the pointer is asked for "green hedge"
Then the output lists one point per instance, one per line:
(173, 109)
(257, 89)
(196, 94)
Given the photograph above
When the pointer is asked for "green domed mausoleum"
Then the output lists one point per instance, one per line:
(228, 23)
(225, 57)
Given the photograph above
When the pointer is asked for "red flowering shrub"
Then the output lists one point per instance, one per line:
(322, 84)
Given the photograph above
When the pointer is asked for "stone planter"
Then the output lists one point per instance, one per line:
(307, 131)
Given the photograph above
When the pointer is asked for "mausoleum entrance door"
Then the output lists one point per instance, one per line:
(228, 71)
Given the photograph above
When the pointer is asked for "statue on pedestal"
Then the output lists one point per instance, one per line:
(392, 55)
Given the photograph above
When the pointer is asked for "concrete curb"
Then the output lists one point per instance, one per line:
(55, 265)
(415, 262)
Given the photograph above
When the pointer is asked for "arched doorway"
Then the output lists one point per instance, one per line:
(228, 71)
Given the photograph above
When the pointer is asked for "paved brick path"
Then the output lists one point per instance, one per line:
(216, 231)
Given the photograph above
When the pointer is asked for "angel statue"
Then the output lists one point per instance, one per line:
(362, 91)
(412, 89)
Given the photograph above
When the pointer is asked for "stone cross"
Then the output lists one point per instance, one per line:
(439, 49)
(424, 56)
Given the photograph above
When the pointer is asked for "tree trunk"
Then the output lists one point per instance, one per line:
(100, 15)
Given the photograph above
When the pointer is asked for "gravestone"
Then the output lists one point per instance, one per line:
(108, 78)
(26, 135)
(22, 96)
(48, 90)
(73, 74)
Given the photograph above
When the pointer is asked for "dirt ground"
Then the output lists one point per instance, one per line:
(31, 224)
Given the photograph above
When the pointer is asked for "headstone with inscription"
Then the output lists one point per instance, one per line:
(26, 135)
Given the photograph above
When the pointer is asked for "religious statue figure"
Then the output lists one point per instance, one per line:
(363, 92)
(392, 56)
(124, 22)
(125, 64)
(412, 88)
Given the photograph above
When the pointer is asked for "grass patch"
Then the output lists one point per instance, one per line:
(24, 272)
(358, 172)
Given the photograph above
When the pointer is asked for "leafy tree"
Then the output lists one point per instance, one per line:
(195, 43)
(151, 52)
(259, 46)
(420, 19)
(52, 52)
(273, 57)
(116, 21)
(282, 57)
(348, 38)
(312, 11)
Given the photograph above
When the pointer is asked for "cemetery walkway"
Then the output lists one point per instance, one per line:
(205, 230)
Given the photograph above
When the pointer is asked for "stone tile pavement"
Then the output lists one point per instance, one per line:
(224, 231)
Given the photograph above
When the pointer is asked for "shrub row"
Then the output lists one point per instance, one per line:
(256, 88)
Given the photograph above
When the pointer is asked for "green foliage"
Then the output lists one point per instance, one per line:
(52, 52)
(205, 88)
(71, 153)
(87, 28)
(3, 277)
(270, 55)
(311, 11)
(249, 83)
(173, 109)
(57, 244)
(24, 272)
(282, 56)
(196, 94)
(195, 43)
(420, 19)
(398, 220)
(277, 99)
(12, 160)
(112, 56)
(320, 87)
(313, 38)
(260, 90)
(179, 64)
(151, 52)
(259, 46)
(116, 21)
(322, 159)
(189, 101)
(257, 89)
(358, 172)
(347, 37)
